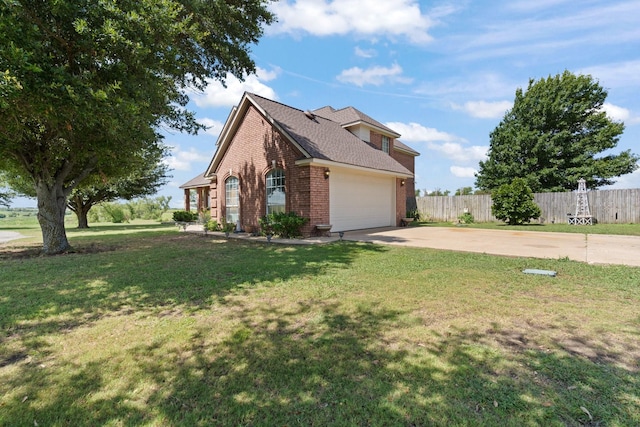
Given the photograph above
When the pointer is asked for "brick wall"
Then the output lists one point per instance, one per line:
(408, 161)
(249, 157)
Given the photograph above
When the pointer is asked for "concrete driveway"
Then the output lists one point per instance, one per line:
(590, 248)
(6, 236)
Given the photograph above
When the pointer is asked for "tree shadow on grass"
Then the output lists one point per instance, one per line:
(323, 364)
(45, 294)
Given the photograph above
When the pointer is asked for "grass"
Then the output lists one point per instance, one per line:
(161, 328)
(616, 229)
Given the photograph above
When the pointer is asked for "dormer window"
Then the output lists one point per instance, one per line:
(385, 144)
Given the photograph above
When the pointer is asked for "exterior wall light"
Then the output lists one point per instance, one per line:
(327, 172)
(402, 182)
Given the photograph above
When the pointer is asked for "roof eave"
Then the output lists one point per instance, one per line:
(329, 163)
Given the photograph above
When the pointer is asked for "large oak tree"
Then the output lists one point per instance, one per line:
(555, 134)
(87, 82)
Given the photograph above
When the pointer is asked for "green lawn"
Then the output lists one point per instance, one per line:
(148, 326)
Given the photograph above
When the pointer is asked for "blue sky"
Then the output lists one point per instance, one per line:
(442, 74)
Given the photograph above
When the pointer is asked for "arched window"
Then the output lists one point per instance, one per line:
(232, 199)
(276, 195)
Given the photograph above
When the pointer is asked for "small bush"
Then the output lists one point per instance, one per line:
(185, 216)
(115, 213)
(466, 218)
(212, 225)
(286, 225)
(226, 226)
(514, 203)
(147, 208)
(413, 213)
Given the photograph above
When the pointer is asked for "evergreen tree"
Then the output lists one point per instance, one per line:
(554, 135)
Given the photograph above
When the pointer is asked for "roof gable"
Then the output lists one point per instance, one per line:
(350, 116)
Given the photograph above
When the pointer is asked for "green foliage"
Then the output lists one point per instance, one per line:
(283, 224)
(86, 84)
(554, 135)
(466, 218)
(437, 192)
(464, 191)
(514, 203)
(116, 212)
(185, 216)
(148, 208)
(414, 213)
(226, 226)
(212, 225)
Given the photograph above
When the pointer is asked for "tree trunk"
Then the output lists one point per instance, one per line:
(52, 204)
(83, 222)
(81, 210)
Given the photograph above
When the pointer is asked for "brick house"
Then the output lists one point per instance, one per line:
(338, 167)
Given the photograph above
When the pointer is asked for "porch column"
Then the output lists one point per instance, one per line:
(187, 202)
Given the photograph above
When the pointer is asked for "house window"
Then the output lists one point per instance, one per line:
(232, 199)
(276, 195)
(385, 144)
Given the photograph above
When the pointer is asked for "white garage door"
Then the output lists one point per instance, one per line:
(360, 201)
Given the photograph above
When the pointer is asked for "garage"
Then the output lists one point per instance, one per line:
(360, 200)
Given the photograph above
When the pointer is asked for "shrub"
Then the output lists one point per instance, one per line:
(115, 213)
(514, 203)
(413, 213)
(212, 225)
(226, 226)
(286, 225)
(466, 218)
(148, 208)
(185, 216)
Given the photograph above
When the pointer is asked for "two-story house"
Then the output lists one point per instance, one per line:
(338, 167)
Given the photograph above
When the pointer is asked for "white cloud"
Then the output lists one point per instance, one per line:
(462, 172)
(616, 75)
(460, 153)
(365, 53)
(214, 126)
(373, 76)
(182, 160)
(414, 132)
(536, 33)
(480, 85)
(631, 180)
(484, 109)
(371, 18)
(616, 113)
(216, 95)
(451, 146)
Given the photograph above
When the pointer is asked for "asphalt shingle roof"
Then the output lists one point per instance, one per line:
(326, 139)
(198, 181)
(349, 115)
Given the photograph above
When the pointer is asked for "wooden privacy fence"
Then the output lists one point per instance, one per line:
(606, 206)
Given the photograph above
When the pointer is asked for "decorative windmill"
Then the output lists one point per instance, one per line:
(583, 215)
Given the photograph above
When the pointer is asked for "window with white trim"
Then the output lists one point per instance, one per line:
(386, 143)
(276, 193)
(232, 199)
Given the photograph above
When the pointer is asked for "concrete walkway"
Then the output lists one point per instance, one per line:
(590, 248)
